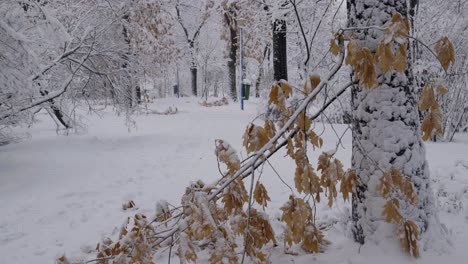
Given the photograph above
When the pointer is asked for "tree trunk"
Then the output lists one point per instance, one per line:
(56, 110)
(386, 131)
(280, 60)
(232, 62)
(193, 72)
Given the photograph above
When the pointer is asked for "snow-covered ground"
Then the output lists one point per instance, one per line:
(62, 194)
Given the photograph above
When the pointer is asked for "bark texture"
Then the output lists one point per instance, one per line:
(280, 59)
(386, 130)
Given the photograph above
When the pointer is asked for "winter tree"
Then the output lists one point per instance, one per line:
(385, 120)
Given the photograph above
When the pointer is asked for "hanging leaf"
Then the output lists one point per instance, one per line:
(261, 195)
(255, 137)
(445, 52)
(314, 240)
(441, 90)
(297, 214)
(391, 211)
(363, 63)
(409, 236)
(348, 184)
(384, 57)
(432, 123)
(427, 98)
(400, 64)
(332, 172)
(334, 47)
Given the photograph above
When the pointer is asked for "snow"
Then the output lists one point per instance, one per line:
(63, 194)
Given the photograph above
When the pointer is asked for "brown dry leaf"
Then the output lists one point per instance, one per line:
(314, 81)
(315, 140)
(227, 155)
(332, 172)
(348, 184)
(261, 195)
(353, 49)
(62, 260)
(314, 241)
(305, 179)
(384, 57)
(260, 230)
(186, 250)
(311, 84)
(391, 211)
(399, 26)
(303, 122)
(427, 98)
(363, 63)
(334, 47)
(386, 183)
(296, 214)
(441, 90)
(388, 61)
(407, 188)
(408, 233)
(290, 148)
(445, 52)
(224, 249)
(286, 88)
(432, 123)
(400, 64)
(234, 197)
(274, 97)
(255, 137)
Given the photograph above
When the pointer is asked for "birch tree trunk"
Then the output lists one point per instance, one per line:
(386, 131)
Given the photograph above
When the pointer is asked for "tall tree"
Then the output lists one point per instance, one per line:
(191, 39)
(230, 19)
(386, 128)
(280, 58)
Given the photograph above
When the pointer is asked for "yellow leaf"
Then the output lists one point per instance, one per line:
(445, 52)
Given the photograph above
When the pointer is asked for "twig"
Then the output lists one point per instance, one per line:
(279, 176)
(249, 208)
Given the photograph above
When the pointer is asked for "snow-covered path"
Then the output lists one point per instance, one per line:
(61, 194)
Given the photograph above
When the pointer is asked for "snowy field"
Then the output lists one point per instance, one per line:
(62, 194)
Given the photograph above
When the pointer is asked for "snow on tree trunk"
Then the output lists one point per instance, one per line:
(386, 131)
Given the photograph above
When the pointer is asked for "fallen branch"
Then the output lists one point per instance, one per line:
(261, 156)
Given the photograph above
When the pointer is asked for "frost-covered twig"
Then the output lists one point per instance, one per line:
(50, 96)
